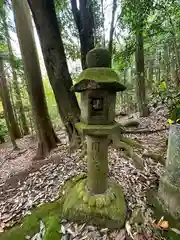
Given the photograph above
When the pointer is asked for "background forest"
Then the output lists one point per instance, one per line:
(142, 37)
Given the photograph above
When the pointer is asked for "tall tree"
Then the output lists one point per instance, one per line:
(19, 103)
(110, 46)
(45, 132)
(134, 15)
(12, 125)
(140, 73)
(55, 61)
(85, 23)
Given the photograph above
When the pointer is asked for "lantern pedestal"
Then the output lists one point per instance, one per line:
(95, 198)
(169, 185)
(107, 210)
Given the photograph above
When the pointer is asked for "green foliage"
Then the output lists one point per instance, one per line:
(51, 102)
(3, 130)
(68, 30)
(170, 96)
(135, 13)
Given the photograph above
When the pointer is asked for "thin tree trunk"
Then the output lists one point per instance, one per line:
(55, 61)
(12, 125)
(140, 78)
(177, 63)
(173, 69)
(84, 21)
(173, 32)
(103, 19)
(13, 141)
(15, 81)
(46, 136)
(150, 74)
(166, 65)
(159, 68)
(14, 106)
(110, 46)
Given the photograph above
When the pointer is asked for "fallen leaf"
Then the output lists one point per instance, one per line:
(164, 225)
(161, 219)
(128, 229)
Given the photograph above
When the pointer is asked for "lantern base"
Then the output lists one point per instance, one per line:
(103, 210)
(169, 195)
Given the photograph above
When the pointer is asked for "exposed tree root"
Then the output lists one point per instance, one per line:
(130, 142)
(118, 143)
(143, 130)
(121, 114)
(130, 123)
(156, 157)
(127, 145)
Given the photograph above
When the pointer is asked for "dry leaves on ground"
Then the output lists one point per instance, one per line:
(24, 184)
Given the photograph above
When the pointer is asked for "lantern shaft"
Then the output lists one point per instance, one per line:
(97, 154)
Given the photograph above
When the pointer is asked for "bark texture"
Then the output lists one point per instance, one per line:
(55, 61)
(45, 133)
(140, 74)
(84, 21)
(19, 103)
(12, 125)
(110, 47)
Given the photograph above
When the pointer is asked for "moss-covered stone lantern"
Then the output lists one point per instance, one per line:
(95, 198)
(98, 87)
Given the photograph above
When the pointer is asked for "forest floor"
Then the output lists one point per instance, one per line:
(25, 183)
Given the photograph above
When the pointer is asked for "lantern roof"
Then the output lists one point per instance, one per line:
(99, 74)
(98, 78)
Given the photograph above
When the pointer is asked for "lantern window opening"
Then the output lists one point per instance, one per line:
(97, 104)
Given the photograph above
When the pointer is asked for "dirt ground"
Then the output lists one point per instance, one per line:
(25, 183)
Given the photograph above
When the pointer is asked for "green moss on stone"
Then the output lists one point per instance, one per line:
(99, 75)
(71, 182)
(97, 130)
(169, 195)
(98, 57)
(52, 228)
(30, 224)
(99, 210)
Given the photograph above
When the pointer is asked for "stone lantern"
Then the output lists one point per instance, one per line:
(169, 185)
(96, 195)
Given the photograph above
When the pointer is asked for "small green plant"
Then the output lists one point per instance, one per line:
(170, 96)
(3, 130)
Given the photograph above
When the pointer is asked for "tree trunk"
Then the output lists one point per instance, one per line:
(174, 40)
(18, 94)
(15, 81)
(14, 106)
(114, 7)
(84, 21)
(103, 19)
(177, 63)
(55, 61)
(150, 74)
(140, 78)
(12, 125)
(45, 132)
(173, 69)
(166, 65)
